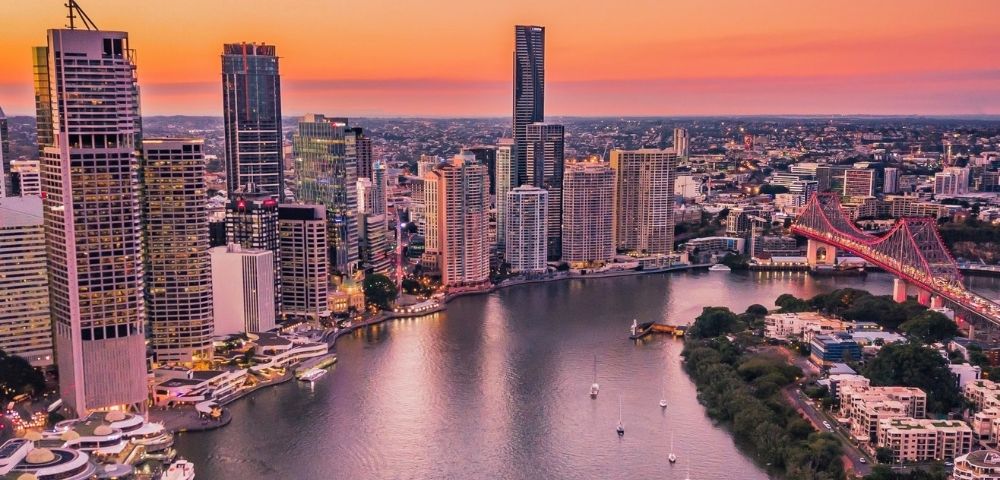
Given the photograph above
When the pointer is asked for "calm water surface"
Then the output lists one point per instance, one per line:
(496, 387)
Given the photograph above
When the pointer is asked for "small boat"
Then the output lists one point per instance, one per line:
(312, 375)
(672, 458)
(635, 327)
(595, 388)
(621, 426)
(663, 398)
(718, 267)
(180, 470)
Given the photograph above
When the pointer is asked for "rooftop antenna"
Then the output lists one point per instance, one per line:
(74, 12)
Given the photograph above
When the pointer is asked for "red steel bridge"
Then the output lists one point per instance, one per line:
(912, 251)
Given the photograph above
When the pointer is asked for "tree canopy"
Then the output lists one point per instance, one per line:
(930, 327)
(715, 321)
(380, 291)
(17, 376)
(914, 365)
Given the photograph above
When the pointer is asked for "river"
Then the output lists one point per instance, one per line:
(496, 387)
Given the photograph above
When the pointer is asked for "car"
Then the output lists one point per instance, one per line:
(863, 460)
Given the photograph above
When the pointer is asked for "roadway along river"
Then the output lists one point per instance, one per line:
(496, 387)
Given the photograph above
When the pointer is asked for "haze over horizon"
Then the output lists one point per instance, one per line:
(447, 58)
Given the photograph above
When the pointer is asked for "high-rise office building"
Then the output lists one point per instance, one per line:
(682, 145)
(243, 289)
(644, 199)
(588, 214)
(376, 255)
(328, 175)
(545, 150)
(366, 196)
(25, 178)
(457, 197)
(91, 199)
(305, 263)
(177, 265)
(529, 89)
(890, 180)
(859, 182)
(506, 179)
(251, 111)
(380, 188)
(364, 152)
(25, 327)
(527, 229)
(824, 177)
(5, 156)
(252, 223)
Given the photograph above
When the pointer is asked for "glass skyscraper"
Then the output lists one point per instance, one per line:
(327, 170)
(529, 89)
(251, 110)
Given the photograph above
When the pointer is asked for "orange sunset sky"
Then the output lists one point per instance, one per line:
(609, 57)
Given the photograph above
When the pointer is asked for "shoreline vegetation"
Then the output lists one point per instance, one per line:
(745, 384)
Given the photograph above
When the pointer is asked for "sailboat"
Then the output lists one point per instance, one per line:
(594, 387)
(672, 458)
(621, 426)
(663, 397)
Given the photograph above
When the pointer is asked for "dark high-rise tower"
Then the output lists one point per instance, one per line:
(251, 110)
(5, 156)
(529, 88)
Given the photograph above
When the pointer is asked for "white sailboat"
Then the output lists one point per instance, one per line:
(621, 426)
(672, 458)
(594, 387)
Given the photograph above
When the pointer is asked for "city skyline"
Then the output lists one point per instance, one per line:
(780, 58)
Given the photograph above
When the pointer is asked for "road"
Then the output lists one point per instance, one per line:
(817, 416)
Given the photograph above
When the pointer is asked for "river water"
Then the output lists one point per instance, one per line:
(497, 387)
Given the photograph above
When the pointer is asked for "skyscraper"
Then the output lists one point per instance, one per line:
(506, 178)
(890, 181)
(5, 156)
(859, 182)
(529, 89)
(380, 188)
(251, 112)
(177, 264)
(252, 223)
(588, 214)
(644, 200)
(328, 175)
(544, 150)
(92, 217)
(527, 229)
(25, 327)
(456, 195)
(486, 155)
(305, 266)
(376, 256)
(365, 154)
(681, 142)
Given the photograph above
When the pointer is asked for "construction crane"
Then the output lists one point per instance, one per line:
(74, 12)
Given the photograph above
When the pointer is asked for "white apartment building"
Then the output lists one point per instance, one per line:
(978, 465)
(527, 229)
(588, 214)
(801, 326)
(918, 440)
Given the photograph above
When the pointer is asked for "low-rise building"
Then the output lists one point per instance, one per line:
(918, 440)
(978, 465)
(833, 348)
(864, 406)
(801, 326)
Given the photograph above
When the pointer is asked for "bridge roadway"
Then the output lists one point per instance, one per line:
(950, 291)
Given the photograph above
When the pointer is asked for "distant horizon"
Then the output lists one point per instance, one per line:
(955, 116)
(453, 58)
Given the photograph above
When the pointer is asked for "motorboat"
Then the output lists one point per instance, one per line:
(312, 375)
(180, 470)
(672, 458)
(595, 388)
(621, 426)
(718, 267)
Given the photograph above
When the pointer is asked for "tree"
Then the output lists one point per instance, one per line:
(380, 291)
(914, 365)
(713, 322)
(883, 455)
(790, 304)
(930, 327)
(757, 310)
(17, 376)
(773, 189)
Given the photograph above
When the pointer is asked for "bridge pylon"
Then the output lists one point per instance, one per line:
(899, 290)
(819, 253)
